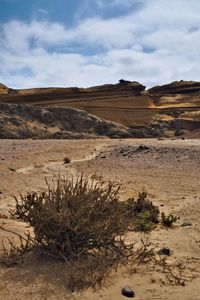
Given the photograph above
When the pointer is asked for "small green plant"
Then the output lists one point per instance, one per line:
(140, 205)
(143, 222)
(143, 214)
(168, 220)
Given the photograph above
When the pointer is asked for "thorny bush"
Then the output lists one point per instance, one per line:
(75, 217)
(83, 223)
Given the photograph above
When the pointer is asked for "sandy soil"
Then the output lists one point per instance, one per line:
(168, 170)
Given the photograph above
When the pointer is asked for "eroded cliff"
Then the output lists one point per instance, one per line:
(168, 110)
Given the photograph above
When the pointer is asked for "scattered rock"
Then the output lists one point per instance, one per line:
(128, 292)
(142, 148)
(3, 216)
(67, 160)
(11, 169)
(185, 224)
(164, 251)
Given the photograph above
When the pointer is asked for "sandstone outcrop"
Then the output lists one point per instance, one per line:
(5, 91)
(177, 87)
(168, 110)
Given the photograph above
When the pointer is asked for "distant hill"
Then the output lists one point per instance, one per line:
(167, 110)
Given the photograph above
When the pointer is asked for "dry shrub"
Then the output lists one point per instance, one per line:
(83, 223)
(79, 221)
(75, 217)
(13, 254)
(175, 272)
(91, 271)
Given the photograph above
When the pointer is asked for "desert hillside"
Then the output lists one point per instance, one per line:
(168, 110)
(21, 121)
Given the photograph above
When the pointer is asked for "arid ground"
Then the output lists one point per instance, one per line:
(168, 169)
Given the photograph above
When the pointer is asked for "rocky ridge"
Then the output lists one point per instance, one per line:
(163, 111)
(21, 121)
(176, 87)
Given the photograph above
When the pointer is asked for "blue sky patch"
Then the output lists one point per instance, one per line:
(91, 42)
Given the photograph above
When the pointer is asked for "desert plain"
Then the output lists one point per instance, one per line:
(166, 168)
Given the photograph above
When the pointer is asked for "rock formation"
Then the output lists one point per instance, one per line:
(21, 121)
(176, 87)
(168, 110)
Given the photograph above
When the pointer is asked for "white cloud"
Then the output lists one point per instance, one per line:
(158, 43)
(121, 3)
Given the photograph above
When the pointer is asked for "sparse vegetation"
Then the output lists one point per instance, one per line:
(168, 220)
(143, 222)
(75, 217)
(143, 214)
(14, 254)
(78, 221)
(83, 223)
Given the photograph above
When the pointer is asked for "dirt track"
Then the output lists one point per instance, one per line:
(167, 169)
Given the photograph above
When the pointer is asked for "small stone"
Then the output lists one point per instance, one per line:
(143, 148)
(164, 251)
(128, 292)
(66, 160)
(184, 224)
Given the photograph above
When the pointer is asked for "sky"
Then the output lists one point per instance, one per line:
(83, 43)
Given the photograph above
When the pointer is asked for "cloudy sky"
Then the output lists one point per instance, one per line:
(91, 42)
